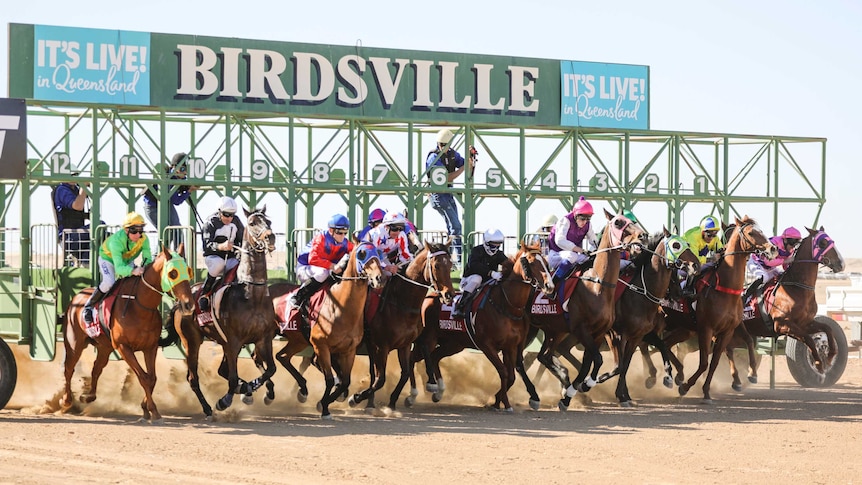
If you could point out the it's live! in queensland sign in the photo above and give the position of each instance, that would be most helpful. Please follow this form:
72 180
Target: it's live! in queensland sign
185 72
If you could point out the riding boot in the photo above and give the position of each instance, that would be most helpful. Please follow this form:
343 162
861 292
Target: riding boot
752 289
460 302
203 299
300 298
95 298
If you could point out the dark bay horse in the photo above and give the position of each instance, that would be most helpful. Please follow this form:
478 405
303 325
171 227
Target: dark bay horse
637 309
790 304
497 327
718 306
135 325
242 315
336 326
397 323
591 304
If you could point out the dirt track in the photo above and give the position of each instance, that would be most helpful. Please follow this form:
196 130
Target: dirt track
786 435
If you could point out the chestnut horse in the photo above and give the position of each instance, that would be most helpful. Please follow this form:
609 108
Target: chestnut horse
397 323
336 327
497 327
637 309
135 325
790 303
242 314
718 306
591 304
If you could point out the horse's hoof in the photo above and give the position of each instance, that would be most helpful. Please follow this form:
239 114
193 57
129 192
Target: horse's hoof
668 382
429 387
341 397
352 402
683 389
752 379
650 382
208 418
679 379
158 422
409 401
319 406
326 417
625 404
302 396
707 400
88 398
247 399
563 405
437 396
736 387
509 410
267 400
534 404
224 402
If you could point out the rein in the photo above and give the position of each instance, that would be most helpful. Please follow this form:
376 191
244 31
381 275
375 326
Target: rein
642 290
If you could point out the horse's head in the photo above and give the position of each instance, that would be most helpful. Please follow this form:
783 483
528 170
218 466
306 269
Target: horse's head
368 265
258 231
438 269
746 237
822 249
678 253
625 233
533 269
175 276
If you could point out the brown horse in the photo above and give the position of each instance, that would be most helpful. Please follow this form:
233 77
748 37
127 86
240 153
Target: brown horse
591 304
397 323
135 325
790 305
718 305
242 314
637 309
336 327
497 327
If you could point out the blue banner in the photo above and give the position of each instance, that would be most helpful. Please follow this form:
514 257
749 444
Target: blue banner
91 65
598 95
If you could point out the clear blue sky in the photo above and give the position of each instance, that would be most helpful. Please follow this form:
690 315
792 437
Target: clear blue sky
784 68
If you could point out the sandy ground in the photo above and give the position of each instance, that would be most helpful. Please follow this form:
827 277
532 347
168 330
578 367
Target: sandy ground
761 435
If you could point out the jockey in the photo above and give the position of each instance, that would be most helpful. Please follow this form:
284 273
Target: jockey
704 239
482 265
765 270
391 239
223 232
327 253
374 220
117 258
569 238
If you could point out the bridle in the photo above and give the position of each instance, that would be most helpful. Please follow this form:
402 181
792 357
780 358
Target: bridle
258 240
746 240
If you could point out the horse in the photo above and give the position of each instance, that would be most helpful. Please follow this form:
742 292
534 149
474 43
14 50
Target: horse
591 303
336 324
134 324
242 314
789 303
500 326
646 282
397 323
718 306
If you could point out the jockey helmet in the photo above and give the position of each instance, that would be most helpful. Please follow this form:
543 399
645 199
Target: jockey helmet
710 223
133 219
227 205
493 241
178 163
630 216
791 233
339 221
376 215
549 221
394 219
445 135
582 207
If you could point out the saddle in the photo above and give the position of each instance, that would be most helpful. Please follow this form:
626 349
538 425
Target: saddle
102 315
756 307
293 319
205 318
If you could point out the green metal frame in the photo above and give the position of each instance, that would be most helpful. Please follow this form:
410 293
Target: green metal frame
281 161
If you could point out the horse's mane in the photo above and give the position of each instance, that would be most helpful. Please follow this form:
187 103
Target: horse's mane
644 256
509 265
433 247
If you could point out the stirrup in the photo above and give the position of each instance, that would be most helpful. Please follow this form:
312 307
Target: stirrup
88 315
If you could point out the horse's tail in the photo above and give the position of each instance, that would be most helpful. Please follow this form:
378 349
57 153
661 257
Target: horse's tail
173 337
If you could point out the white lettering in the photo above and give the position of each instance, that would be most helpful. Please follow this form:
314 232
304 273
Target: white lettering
388 85
354 80
483 92
230 72
190 70
260 76
422 90
447 87
523 87
326 81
